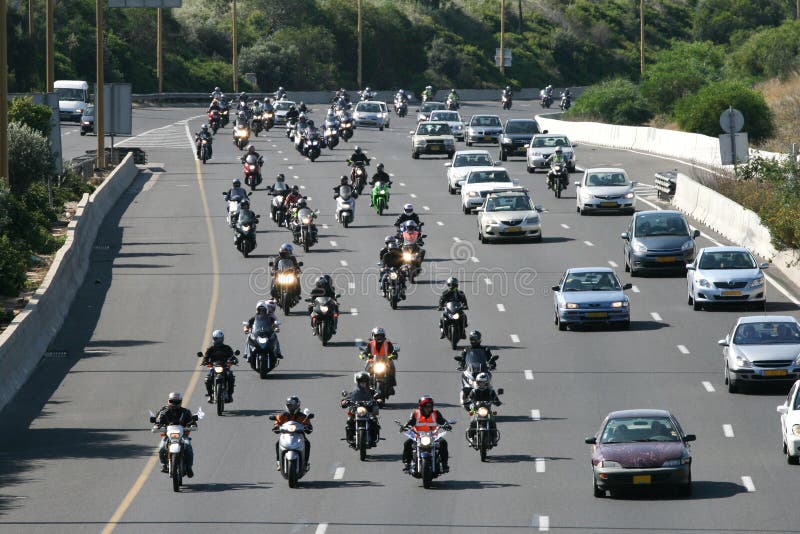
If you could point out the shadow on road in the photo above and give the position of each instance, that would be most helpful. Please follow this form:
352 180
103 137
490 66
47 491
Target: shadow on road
335 484
216 487
469 485
701 490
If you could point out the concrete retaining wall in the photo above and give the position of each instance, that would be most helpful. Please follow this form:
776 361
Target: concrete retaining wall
27 338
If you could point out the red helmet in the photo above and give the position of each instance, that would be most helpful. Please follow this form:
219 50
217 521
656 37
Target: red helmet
425 400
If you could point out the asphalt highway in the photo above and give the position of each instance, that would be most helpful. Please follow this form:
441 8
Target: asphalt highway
77 454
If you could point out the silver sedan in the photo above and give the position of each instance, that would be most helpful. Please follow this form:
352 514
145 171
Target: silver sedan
726 275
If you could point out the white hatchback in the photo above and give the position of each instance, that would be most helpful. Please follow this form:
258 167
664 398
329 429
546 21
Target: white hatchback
605 189
463 162
480 182
790 424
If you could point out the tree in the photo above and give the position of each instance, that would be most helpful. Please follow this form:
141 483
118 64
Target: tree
616 101
772 52
23 111
29 157
699 113
717 20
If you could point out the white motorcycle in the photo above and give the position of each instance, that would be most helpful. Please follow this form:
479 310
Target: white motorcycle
346 205
233 209
177 439
292 449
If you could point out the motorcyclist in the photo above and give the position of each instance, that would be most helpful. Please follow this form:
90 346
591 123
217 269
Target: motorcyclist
362 393
454 96
219 354
358 156
389 239
293 413
381 348
174 414
508 92
407 215
236 190
292 114
285 252
392 258
400 97
251 151
409 226
548 90
217 93
265 318
301 204
245 214
343 181
482 392
323 287
428 92
290 201
451 294
553 159
214 106
366 94
280 179
267 106
475 346
380 176
302 108
302 122
425 419
204 133
280 93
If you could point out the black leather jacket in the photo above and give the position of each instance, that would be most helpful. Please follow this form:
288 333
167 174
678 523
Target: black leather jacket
451 295
221 353
168 415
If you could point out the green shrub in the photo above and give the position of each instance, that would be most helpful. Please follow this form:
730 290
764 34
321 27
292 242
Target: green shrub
699 113
770 53
23 111
13 262
71 188
29 157
616 101
718 20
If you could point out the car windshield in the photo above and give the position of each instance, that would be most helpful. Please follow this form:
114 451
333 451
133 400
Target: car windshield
449 116
767 333
369 107
657 224
522 127
639 429
550 141
485 121
438 128
607 179
89 112
430 106
510 203
485 177
472 160
75 95
283 105
591 281
737 259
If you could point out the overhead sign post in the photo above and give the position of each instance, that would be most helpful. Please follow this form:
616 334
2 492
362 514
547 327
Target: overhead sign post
733 145
117 110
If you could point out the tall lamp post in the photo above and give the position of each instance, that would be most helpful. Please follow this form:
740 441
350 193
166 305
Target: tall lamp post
235 52
99 110
641 36
3 92
358 25
502 36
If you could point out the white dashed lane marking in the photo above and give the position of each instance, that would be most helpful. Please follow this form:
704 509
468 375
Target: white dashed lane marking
334 244
528 374
354 311
656 316
439 223
544 523
536 415
728 431
683 349
343 263
709 387
588 243
515 338
412 195
565 226
635 289
321 528
540 465
501 308
613 264
473 259
748 483
338 474
426 208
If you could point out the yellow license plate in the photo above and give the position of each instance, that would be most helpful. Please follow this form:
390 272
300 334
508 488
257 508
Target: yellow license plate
435 147
665 259
642 479
731 293
608 204
513 229
597 315
776 372
487 138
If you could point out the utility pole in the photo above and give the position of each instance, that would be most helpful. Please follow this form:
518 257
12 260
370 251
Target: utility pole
235 52
30 20
641 36
358 25
159 63
797 9
50 40
502 37
4 92
99 88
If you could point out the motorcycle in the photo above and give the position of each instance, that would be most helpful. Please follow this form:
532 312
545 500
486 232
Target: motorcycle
177 439
378 371
221 387
292 449
291 128
245 234
452 104
312 148
394 284
257 123
287 285
260 350
366 96
204 154
557 178
224 112
323 317
345 205
545 99
566 102
401 108
358 175
474 364
233 209
241 136
363 420
331 135
506 101
304 229
277 209
426 463
413 253
252 172
346 127
268 120
380 197
214 120
480 435
455 321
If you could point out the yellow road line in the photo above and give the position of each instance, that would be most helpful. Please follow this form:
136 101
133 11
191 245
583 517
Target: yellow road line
151 463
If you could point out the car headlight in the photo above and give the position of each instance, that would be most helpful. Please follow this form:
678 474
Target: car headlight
570 305
758 282
425 441
587 195
796 430
630 195
609 463
638 247
531 220
702 282
688 245
620 304
506 140
419 142
677 461
473 194
742 361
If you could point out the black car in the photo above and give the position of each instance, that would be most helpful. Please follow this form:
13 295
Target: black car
658 240
517 133
87 121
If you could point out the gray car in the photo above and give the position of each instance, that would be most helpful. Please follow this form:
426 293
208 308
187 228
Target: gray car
509 215
542 147
371 114
658 241
722 275
589 295
424 110
761 349
483 129
517 134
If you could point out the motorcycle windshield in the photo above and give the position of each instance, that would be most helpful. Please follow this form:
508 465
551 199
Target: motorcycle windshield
251 159
304 213
280 187
410 238
247 217
264 331
345 191
475 360
323 301
452 307
285 265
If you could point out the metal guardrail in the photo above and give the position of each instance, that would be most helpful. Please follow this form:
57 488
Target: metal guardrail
665 183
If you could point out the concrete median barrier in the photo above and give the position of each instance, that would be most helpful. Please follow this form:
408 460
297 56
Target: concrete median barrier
28 337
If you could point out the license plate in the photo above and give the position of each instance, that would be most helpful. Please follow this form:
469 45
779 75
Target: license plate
665 259
597 315
513 229
435 147
731 293
642 479
487 138
608 204
776 372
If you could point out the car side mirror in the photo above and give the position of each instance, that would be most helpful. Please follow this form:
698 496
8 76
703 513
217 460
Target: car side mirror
515 181
574 145
300 263
689 437
783 409
689 267
310 416
764 265
627 286
199 354
457 358
271 264
723 343
556 288
417 110
448 164
696 233
153 419
271 417
526 146
546 131
538 207
500 391
195 418
344 393
625 236
591 441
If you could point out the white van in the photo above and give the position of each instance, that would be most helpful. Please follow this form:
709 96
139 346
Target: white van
73 98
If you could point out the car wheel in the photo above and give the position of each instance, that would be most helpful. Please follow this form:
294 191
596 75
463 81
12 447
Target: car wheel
732 387
792 460
598 493
689 299
581 211
450 189
538 238
414 155
697 306
381 128
626 325
466 210
634 273
686 489
468 143
561 326
531 170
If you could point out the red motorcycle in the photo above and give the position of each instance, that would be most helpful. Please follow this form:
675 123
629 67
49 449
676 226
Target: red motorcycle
252 172
214 120
410 235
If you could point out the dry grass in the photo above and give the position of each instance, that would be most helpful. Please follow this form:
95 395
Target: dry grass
783 98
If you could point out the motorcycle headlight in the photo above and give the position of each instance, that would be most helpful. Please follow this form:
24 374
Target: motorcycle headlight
393 276
425 441
571 305
758 282
246 227
620 304
379 367
407 256
630 195
456 316
262 341
483 411
291 428
218 368
323 309
361 410
306 220
688 245
638 247
175 435
742 361
286 278
609 463
796 430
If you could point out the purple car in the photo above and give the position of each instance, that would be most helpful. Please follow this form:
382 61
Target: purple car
635 448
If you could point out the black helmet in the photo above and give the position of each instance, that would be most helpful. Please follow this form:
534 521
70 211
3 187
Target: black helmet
343 180
361 378
285 251
293 404
244 204
237 182
452 282
358 150
475 338
380 166
280 178
321 282
301 203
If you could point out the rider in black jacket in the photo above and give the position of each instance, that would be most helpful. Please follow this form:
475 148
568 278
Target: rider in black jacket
451 294
475 345
219 354
324 288
174 414
362 393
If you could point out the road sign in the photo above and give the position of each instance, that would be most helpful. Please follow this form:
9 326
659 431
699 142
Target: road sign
117 114
506 57
144 3
731 120
734 144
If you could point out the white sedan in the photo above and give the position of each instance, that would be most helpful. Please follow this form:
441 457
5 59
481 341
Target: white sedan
463 162
790 424
605 189
480 182
453 119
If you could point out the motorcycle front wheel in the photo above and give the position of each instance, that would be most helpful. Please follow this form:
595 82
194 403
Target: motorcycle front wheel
219 396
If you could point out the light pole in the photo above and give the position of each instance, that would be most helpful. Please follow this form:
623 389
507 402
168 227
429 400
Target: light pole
358 26
235 52
502 37
50 40
641 36
3 93
159 61
99 112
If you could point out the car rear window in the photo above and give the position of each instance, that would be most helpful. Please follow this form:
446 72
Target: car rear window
472 160
518 127
485 177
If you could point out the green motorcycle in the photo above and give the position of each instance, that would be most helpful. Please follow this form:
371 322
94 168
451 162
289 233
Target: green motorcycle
380 197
